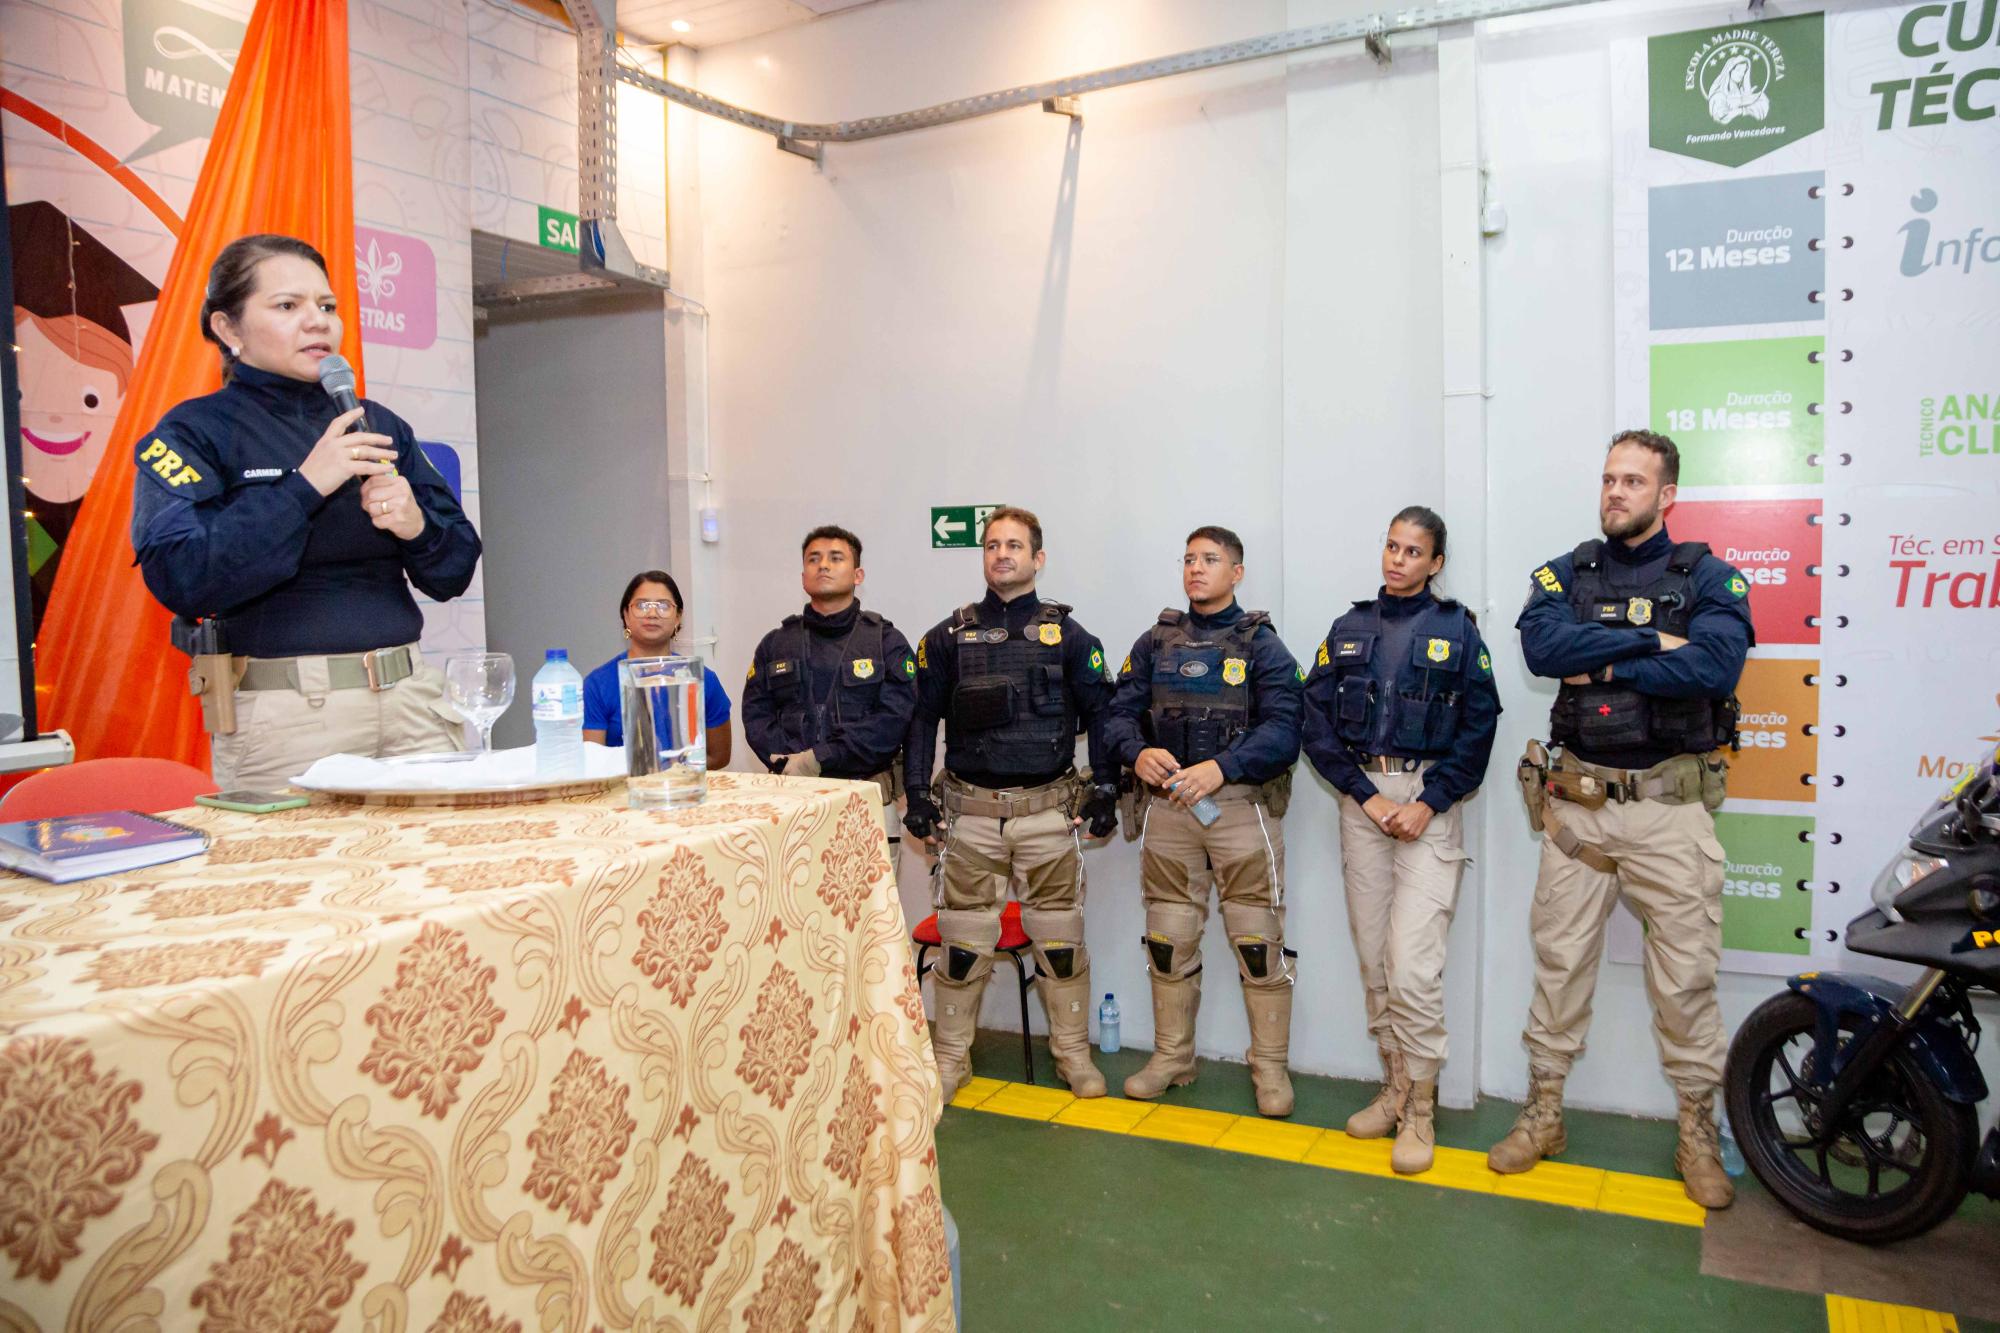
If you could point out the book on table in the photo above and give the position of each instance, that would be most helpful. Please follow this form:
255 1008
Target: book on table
76 847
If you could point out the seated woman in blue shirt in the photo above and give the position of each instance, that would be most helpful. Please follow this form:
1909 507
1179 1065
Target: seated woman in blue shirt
651 614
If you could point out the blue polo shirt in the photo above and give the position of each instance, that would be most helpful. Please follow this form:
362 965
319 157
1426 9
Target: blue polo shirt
601 710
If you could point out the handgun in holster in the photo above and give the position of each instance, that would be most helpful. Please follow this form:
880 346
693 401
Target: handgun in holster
1131 804
212 673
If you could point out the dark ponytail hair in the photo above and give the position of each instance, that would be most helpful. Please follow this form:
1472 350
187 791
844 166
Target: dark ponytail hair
1429 520
232 280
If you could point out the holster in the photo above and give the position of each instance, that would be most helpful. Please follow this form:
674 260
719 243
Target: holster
1714 779
213 674
1532 772
1277 794
1132 799
212 679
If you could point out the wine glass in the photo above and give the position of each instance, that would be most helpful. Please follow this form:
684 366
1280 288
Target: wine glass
481 685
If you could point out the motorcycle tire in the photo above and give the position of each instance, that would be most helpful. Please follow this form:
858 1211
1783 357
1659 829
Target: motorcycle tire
1935 1187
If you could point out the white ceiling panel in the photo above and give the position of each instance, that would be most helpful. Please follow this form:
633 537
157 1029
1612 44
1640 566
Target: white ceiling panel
714 22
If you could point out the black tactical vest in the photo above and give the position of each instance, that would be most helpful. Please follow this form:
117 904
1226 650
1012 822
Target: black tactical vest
1613 715
806 715
1201 684
1009 711
1409 708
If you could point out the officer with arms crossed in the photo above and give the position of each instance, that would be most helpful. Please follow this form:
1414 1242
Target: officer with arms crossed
1648 638
1014 679
1207 705
831 689
1400 716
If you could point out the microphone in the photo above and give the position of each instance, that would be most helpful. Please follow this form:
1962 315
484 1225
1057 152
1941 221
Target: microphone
337 378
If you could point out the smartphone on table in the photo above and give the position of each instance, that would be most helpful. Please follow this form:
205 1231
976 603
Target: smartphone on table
253 802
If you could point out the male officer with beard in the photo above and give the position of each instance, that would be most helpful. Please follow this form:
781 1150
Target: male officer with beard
1013 679
1648 638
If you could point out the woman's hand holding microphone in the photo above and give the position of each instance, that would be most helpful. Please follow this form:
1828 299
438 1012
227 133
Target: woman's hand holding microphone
337 457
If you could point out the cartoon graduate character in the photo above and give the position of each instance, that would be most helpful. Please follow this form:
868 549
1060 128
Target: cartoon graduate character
75 363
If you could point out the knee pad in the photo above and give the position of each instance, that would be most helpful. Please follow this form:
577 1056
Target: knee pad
968 939
1257 934
1173 940
1058 941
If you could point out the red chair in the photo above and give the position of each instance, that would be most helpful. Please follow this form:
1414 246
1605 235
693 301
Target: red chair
1014 942
146 785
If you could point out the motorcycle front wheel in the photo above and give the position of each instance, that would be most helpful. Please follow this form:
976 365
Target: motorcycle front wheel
1903 1156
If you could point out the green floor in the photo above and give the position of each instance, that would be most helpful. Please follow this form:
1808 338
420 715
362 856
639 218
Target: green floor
1063 1228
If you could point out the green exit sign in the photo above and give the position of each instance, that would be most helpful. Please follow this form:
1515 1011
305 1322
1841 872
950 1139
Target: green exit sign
557 230
957 525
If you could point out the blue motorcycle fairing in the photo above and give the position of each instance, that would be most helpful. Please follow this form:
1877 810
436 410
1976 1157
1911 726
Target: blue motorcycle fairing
1871 1001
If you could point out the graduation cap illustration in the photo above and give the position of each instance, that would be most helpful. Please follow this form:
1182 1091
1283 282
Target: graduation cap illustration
61 269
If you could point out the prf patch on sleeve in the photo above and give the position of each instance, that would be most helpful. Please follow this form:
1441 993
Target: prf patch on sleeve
923 658
1547 578
170 466
1321 658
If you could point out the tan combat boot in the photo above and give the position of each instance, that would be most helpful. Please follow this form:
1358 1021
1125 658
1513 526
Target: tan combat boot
1270 1010
1538 1133
957 1022
1175 1004
1416 1134
1066 1003
1699 1157
1377 1120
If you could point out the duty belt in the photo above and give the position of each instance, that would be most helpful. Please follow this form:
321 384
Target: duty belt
1389 763
1677 781
962 798
377 670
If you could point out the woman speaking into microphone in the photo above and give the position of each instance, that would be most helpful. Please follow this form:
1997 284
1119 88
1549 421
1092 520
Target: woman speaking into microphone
300 527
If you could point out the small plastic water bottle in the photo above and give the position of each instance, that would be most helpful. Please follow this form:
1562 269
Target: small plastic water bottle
1205 811
1732 1156
558 702
1107 1024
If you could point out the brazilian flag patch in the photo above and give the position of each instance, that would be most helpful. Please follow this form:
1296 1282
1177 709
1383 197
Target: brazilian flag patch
909 667
1301 671
1485 663
1737 586
1097 659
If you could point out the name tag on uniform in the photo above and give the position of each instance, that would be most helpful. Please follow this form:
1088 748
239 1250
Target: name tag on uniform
1349 648
781 668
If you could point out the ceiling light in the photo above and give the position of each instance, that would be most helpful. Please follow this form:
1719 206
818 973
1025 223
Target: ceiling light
681 25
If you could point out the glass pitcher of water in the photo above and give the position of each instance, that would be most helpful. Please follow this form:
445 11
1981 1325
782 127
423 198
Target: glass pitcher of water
666 733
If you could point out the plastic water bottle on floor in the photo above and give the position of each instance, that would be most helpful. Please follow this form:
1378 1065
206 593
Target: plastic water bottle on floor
558 702
1107 1024
1732 1156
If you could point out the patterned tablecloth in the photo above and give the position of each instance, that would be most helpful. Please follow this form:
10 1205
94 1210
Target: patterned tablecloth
554 1066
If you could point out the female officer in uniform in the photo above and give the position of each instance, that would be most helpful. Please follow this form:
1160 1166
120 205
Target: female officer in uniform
256 505
1400 716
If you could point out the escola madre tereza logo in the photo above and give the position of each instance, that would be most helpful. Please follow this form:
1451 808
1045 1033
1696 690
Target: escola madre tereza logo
1730 95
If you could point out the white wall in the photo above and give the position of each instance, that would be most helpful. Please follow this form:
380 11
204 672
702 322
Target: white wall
1183 313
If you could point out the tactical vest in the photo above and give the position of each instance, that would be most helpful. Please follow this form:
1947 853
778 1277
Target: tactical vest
1613 715
1201 685
1408 708
805 719
1009 711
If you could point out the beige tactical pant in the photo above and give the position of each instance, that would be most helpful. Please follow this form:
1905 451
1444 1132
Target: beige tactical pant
280 733
1400 900
1242 854
1041 851
1670 871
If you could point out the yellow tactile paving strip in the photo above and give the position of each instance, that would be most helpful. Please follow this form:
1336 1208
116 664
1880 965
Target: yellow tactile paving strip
1588 1187
1844 1314
1655 1198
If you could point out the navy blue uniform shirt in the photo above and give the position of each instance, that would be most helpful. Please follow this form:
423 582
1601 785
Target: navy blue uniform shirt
223 524
1556 644
856 724
1456 772
1267 748
937 678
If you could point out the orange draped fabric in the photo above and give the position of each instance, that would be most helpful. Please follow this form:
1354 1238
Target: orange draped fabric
281 160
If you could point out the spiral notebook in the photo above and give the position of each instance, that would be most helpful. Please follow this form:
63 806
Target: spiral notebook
75 847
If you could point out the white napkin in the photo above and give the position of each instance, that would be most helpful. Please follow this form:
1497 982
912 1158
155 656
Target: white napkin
500 768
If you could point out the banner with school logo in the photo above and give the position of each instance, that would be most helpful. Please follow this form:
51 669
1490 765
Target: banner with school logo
1807 252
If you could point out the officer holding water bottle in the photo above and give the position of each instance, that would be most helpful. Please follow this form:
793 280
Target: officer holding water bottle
1206 715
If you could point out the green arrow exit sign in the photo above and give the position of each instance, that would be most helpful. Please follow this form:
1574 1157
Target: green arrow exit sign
557 229
957 525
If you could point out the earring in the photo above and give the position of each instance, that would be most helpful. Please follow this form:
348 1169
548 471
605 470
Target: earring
628 633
